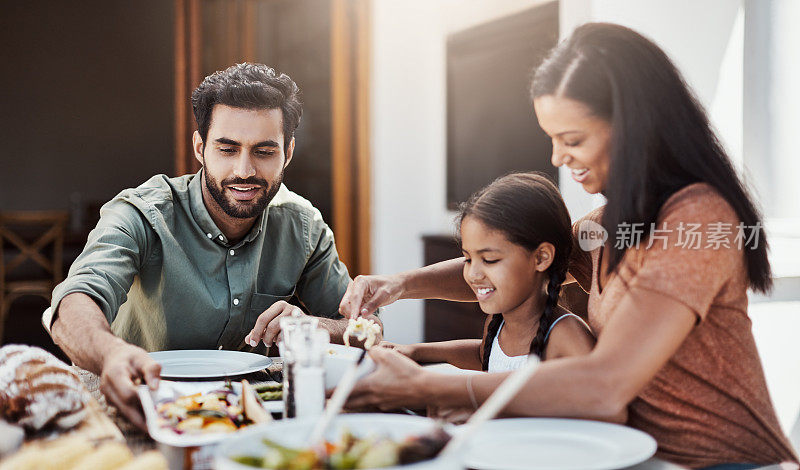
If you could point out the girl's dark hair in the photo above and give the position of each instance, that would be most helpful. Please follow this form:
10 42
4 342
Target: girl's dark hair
528 209
661 138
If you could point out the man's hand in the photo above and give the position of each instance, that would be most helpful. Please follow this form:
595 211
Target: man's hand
82 331
268 325
122 370
366 293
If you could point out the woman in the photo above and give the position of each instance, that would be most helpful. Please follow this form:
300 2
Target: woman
674 343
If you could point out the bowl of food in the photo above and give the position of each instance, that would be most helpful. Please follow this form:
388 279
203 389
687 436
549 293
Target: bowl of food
338 359
389 441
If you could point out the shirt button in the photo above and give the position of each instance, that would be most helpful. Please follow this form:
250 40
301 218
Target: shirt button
209 235
232 252
235 301
221 237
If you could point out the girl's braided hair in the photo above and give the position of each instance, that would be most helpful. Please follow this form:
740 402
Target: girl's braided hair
528 209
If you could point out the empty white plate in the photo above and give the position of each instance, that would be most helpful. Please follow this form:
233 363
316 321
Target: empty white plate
208 363
556 444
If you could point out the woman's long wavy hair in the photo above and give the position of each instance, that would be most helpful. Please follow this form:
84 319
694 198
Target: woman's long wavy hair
528 209
661 137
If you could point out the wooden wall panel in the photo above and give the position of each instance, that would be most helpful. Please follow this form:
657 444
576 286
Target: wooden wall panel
187 47
350 49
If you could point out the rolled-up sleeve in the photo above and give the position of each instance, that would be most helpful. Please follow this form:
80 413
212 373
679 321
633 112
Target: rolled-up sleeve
114 253
691 275
324 280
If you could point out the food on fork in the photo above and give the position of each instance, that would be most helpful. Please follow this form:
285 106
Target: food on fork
363 329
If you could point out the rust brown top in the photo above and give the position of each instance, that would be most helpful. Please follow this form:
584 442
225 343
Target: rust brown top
709 404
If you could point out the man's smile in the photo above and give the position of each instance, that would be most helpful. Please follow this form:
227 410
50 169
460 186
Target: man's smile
244 192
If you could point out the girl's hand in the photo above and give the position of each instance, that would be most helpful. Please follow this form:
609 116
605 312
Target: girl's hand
406 350
366 293
395 383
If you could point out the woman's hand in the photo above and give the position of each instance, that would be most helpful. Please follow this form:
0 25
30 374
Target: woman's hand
395 383
366 294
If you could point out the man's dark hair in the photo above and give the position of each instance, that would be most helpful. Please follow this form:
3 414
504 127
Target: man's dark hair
248 86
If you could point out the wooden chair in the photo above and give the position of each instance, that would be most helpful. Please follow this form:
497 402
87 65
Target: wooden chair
24 239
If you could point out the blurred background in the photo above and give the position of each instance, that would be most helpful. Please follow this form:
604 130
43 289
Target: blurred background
409 106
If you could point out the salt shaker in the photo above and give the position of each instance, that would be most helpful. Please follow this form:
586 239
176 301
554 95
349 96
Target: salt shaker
303 348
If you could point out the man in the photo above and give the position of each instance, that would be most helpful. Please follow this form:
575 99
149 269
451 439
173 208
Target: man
203 261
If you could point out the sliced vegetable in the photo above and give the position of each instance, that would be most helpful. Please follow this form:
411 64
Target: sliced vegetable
207 413
251 407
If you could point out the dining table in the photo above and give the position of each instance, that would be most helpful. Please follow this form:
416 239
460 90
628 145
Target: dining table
139 441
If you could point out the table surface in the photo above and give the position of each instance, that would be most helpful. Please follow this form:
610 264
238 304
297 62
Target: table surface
139 441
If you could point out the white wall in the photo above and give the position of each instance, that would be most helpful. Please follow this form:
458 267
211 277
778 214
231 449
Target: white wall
772 105
408 133
704 39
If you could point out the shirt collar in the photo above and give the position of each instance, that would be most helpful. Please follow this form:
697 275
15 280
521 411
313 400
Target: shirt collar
206 223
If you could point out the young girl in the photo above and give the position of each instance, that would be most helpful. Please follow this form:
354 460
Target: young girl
516 238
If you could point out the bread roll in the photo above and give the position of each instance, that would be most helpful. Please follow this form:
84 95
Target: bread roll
37 390
108 456
152 460
11 438
61 454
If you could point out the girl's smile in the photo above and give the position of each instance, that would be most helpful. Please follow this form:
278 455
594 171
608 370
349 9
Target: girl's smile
483 293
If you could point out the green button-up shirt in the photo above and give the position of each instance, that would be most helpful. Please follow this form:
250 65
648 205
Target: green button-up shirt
166 277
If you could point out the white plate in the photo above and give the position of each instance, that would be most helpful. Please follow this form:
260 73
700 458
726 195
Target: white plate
208 363
556 444
295 432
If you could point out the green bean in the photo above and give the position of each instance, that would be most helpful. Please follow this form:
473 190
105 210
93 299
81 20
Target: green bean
268 387
271 395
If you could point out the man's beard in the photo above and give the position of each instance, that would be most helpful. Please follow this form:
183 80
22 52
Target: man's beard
237 209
